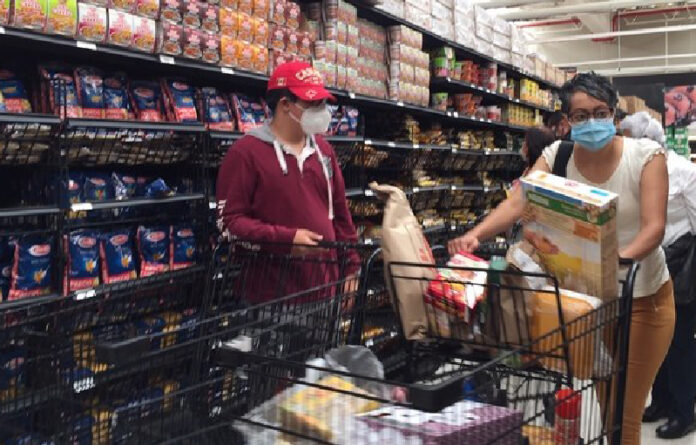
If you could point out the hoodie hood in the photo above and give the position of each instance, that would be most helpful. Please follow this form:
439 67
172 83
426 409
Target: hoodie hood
265 134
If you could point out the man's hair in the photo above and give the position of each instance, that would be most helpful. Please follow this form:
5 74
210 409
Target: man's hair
275 96
554 119
593 85
537 140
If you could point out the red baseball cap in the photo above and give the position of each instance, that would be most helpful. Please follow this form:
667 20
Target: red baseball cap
301 79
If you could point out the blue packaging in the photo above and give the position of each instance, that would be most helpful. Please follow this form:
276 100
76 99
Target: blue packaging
151 326
146 97
90 91
153 247
82 270
97 187
183 252
216 110
158 189
14 94
118 260
125 186
31 268
180 100
116 102
6 258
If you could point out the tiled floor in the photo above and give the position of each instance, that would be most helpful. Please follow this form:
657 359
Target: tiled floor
649 438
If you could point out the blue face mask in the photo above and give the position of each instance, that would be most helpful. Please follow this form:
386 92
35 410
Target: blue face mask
593 135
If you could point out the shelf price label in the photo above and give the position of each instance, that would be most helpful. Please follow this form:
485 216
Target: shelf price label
391 144
369 192
224 69
168 60
85 294
399 104
416 189
415 146
212 205
81 206
83 384
86 45
351 95
368 141
2 30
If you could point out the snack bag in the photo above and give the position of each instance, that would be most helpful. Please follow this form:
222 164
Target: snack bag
228 51
116 97
124 186
260 32
249 114
261 9
211 47
169 38
191 13
82 270
13 92
62 17
245 6
146 99
215 110
4 12
209 18
260 59
244 54
144 34
183 248
92 22
120 28
97 187
62 102
153 246
228 22
231 4
245 27
74 193
90 91
147 8
192 43
171 11
31 269
180 99
122 5
30 14
116 252
277 14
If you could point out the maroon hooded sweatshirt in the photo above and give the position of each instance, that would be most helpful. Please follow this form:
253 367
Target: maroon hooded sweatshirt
264 197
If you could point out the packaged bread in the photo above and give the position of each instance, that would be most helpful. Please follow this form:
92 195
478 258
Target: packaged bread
260 32
122 5
171 10
144 34
228 51
30 14
147 8
169 39
62 17
244 27
209 18
211 47
91 22
120 28
228 22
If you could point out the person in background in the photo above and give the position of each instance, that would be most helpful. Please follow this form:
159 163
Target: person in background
636 170
674 390
558 123
535 141
281 183
619 116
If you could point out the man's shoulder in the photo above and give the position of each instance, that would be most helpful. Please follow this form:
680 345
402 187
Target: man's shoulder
324 145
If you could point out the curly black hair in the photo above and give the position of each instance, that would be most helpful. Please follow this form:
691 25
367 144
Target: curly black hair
593 84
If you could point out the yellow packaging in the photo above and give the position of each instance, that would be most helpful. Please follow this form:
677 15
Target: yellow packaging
573 227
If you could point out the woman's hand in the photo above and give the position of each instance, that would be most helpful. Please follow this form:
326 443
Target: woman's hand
467 243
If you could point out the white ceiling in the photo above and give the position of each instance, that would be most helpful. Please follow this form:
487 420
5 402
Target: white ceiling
616 37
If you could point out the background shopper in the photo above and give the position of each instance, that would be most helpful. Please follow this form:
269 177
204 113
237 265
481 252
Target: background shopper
636 170
535 141
674 390
558 123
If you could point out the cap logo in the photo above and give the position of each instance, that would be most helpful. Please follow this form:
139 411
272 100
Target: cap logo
309 75
280 81
310 94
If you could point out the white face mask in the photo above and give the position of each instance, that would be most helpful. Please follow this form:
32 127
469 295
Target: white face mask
314 120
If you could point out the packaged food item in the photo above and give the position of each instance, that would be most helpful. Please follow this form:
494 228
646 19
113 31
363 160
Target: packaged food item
122 5
261 9
231 4
249 113
13 92
228 22
260 59
92 22
228 51
439 101
153 247
180 100
146 100
31 268
82 270
245 6
120 28
211 47
59 84
171 11
144 34
290 41
215 110
245 27
124 186
4 12
191 13
90 92
304 45
116 252
292 15
158 189
30 14
245 55
260 32
183 252
192 43
97 187
62 17
573 228
277 15
209 18
115 93
170 36
276 39
147 8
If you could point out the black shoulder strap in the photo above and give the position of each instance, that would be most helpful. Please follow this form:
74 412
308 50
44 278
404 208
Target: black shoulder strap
560 164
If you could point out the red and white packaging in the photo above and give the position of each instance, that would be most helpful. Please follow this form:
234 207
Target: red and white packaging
91 22
169 38
211 47
144 34
120 28
192 43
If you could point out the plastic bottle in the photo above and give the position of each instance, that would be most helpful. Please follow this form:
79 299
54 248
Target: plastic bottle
567 418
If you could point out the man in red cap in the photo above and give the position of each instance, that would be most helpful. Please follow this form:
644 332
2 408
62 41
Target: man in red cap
281 183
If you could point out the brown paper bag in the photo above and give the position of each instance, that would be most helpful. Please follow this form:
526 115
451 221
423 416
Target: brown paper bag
403 241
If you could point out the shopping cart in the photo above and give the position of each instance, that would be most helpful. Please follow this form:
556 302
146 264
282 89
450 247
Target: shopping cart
475 383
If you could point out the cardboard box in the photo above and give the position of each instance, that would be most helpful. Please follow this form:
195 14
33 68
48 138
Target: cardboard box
441 11
573 227
634 104
465 7
417 15
484 32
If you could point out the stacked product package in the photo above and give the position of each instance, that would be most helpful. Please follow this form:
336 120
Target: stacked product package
409 75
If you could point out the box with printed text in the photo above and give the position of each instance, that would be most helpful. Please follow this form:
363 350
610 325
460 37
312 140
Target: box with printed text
573 227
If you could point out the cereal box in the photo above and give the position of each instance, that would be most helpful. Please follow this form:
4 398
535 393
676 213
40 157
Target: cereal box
30 14
122 5
120 28
4 12
62 17
147 8
91 22
573 228
169 41
144 33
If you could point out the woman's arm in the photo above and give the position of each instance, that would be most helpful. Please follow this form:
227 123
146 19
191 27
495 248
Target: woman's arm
654 189
499 220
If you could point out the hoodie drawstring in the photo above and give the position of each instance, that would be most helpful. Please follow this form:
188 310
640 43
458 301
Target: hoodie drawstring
326 175
280 156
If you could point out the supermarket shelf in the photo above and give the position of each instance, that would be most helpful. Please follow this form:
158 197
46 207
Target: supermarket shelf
225 135
182 127
28 211
457 85
432 40
114 204
27 302
357 192
406 145
427 189
29 118
343 139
